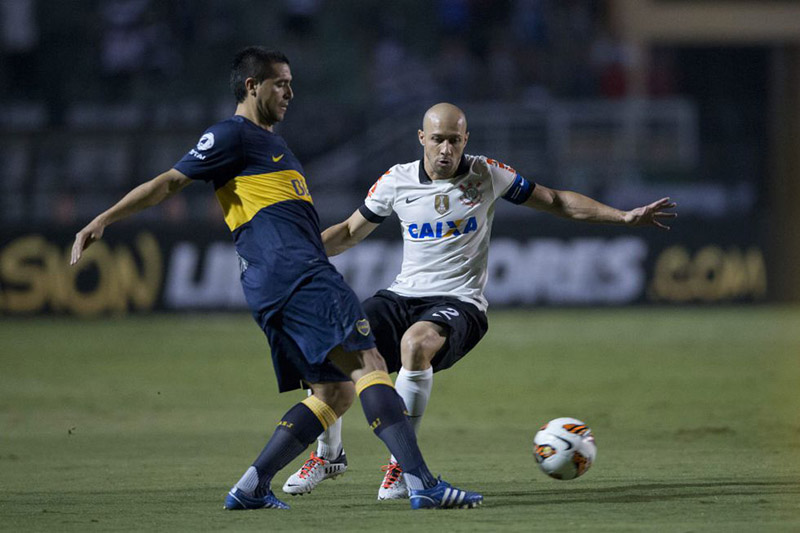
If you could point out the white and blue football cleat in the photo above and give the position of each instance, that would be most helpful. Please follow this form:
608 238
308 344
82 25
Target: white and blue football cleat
444 496
238 500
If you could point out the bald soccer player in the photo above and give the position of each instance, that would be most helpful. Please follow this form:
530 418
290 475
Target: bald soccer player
435 311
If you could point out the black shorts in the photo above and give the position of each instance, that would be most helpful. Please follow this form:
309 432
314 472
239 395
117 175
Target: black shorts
390 315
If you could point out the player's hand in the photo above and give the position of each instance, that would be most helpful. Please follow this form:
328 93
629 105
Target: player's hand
84 238
651 215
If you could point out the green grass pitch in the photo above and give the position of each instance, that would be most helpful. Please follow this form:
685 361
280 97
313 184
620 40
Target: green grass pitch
143 423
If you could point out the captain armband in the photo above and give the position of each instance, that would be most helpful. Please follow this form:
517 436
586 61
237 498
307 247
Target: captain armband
520 190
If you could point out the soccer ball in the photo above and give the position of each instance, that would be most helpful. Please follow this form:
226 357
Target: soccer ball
564 448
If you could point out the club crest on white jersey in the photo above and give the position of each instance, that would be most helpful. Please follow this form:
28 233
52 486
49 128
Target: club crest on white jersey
471 193
441 202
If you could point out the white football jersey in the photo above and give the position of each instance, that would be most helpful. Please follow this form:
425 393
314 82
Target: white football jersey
446 224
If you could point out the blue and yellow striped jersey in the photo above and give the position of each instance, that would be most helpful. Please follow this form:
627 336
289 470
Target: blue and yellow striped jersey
264 197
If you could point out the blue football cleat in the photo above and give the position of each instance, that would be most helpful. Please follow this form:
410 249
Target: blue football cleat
444 496
237 500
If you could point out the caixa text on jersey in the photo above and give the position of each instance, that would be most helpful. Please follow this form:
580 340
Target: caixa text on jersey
442 229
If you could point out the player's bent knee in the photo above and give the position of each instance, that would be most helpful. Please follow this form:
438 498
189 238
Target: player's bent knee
419 346
338 396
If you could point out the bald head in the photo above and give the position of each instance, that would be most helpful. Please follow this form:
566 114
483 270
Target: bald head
444 136
446 116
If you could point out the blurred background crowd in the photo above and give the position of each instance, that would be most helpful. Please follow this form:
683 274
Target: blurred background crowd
98 96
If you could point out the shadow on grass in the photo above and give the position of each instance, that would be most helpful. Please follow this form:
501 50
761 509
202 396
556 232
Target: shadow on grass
703 492
642 492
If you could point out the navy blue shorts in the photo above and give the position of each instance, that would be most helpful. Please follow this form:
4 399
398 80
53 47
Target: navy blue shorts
321 313
391 315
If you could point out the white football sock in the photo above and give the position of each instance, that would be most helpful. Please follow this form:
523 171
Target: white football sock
414 387
249 481
329 442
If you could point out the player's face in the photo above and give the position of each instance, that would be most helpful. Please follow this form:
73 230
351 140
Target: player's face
274 93
444 142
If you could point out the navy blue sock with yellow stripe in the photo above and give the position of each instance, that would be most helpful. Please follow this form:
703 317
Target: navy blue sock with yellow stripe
298 428
386 415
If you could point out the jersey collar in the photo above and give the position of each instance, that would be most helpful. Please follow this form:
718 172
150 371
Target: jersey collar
463 167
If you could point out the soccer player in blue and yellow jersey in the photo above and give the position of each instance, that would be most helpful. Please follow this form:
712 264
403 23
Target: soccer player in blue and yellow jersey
317 331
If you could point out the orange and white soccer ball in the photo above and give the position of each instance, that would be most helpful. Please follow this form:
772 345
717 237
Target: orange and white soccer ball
564 448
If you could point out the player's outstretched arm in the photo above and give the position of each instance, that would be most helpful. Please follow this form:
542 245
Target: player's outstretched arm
576 206
345 235
146 195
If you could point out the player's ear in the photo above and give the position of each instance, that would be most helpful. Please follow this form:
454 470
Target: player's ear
466 138
421 135
250 85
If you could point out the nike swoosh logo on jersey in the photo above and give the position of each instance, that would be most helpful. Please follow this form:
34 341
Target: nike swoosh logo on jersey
409 200
276 159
